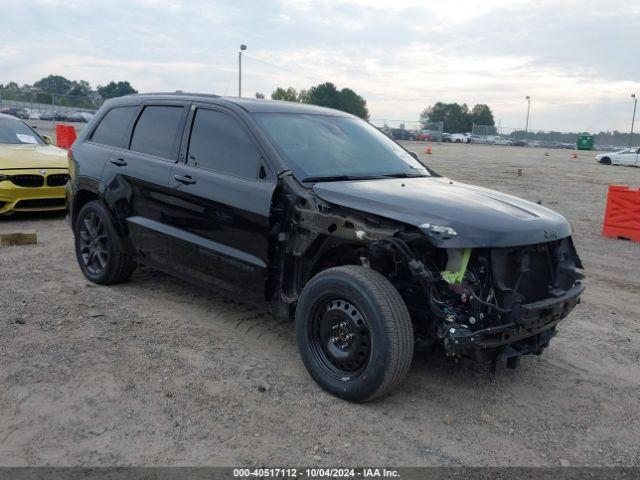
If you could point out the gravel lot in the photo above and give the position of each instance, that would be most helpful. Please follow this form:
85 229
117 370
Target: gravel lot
159 372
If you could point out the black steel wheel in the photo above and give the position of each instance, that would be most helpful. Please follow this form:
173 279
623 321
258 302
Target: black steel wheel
354 333
98 247
339 337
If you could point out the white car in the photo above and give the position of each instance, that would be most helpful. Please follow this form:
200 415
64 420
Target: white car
501 141
459 138
627 157
478 139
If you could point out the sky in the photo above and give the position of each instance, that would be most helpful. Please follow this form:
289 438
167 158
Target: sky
577 60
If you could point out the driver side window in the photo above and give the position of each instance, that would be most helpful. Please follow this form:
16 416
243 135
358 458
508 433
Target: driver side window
219 144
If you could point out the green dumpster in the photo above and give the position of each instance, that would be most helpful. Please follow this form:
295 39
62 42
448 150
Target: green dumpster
585 142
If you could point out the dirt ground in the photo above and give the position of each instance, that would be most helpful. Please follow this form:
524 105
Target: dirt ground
160 372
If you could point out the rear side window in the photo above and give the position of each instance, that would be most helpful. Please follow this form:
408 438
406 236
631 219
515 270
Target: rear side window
110 131
156 130
219 143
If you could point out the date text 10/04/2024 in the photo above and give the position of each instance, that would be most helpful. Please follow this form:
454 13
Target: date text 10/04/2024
315 473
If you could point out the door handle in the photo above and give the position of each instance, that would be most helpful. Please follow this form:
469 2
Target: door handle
185 179
119 162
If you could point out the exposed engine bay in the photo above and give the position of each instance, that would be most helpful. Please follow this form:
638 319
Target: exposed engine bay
486 304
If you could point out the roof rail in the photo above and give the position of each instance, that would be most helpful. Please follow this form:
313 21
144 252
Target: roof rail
177 92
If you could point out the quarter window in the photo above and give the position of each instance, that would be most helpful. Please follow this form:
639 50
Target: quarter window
156 130
219 143
110 131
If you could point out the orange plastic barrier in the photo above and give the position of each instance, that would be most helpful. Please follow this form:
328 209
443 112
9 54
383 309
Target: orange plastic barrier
622 214
65 135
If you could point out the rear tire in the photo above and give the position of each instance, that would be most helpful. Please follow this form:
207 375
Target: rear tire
97 247
354 333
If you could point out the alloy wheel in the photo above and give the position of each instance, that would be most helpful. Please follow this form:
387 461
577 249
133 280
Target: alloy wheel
94 249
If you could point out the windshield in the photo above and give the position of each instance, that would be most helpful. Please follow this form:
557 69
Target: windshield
321 147
15 132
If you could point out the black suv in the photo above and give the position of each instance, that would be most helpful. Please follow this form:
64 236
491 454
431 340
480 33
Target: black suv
327 219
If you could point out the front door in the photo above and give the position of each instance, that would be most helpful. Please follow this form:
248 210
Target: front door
223 192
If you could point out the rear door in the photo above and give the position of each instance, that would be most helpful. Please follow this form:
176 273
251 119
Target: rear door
223 189
107 136
137 177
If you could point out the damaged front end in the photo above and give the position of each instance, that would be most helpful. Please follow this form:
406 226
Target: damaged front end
473 295
492 304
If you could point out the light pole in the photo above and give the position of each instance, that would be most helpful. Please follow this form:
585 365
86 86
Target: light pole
526 127
242 48
633 119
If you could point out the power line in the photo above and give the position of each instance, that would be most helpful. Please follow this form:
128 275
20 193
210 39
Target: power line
281 68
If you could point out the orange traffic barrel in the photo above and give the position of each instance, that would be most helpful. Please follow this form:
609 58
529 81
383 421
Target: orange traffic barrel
622 213
65 135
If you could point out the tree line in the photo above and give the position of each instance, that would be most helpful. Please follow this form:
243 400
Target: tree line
59 90
326 95
456 118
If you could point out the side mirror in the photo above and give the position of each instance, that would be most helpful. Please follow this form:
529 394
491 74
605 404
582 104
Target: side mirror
47 139
414 155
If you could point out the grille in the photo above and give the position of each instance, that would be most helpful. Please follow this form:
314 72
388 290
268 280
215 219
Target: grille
527 270
25 180
41 203
57 179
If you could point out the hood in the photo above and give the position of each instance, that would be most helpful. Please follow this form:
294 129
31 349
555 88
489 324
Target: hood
452 214
14 157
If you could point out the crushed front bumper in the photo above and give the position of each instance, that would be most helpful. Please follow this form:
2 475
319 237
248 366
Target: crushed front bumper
529 331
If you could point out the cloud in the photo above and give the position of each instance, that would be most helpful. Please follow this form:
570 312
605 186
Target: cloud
575 59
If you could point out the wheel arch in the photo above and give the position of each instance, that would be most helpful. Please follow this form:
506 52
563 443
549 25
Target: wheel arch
81 197
337 254
85 194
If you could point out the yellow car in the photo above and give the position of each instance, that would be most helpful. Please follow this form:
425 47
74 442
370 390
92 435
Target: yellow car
33 172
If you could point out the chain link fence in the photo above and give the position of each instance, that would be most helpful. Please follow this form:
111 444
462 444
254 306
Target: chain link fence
412 127
484 130
43 110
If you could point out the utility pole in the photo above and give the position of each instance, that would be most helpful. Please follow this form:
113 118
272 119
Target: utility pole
242 48
633 119
526 127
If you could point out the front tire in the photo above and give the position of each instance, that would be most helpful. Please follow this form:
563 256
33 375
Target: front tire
354 333
605 161
97 249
